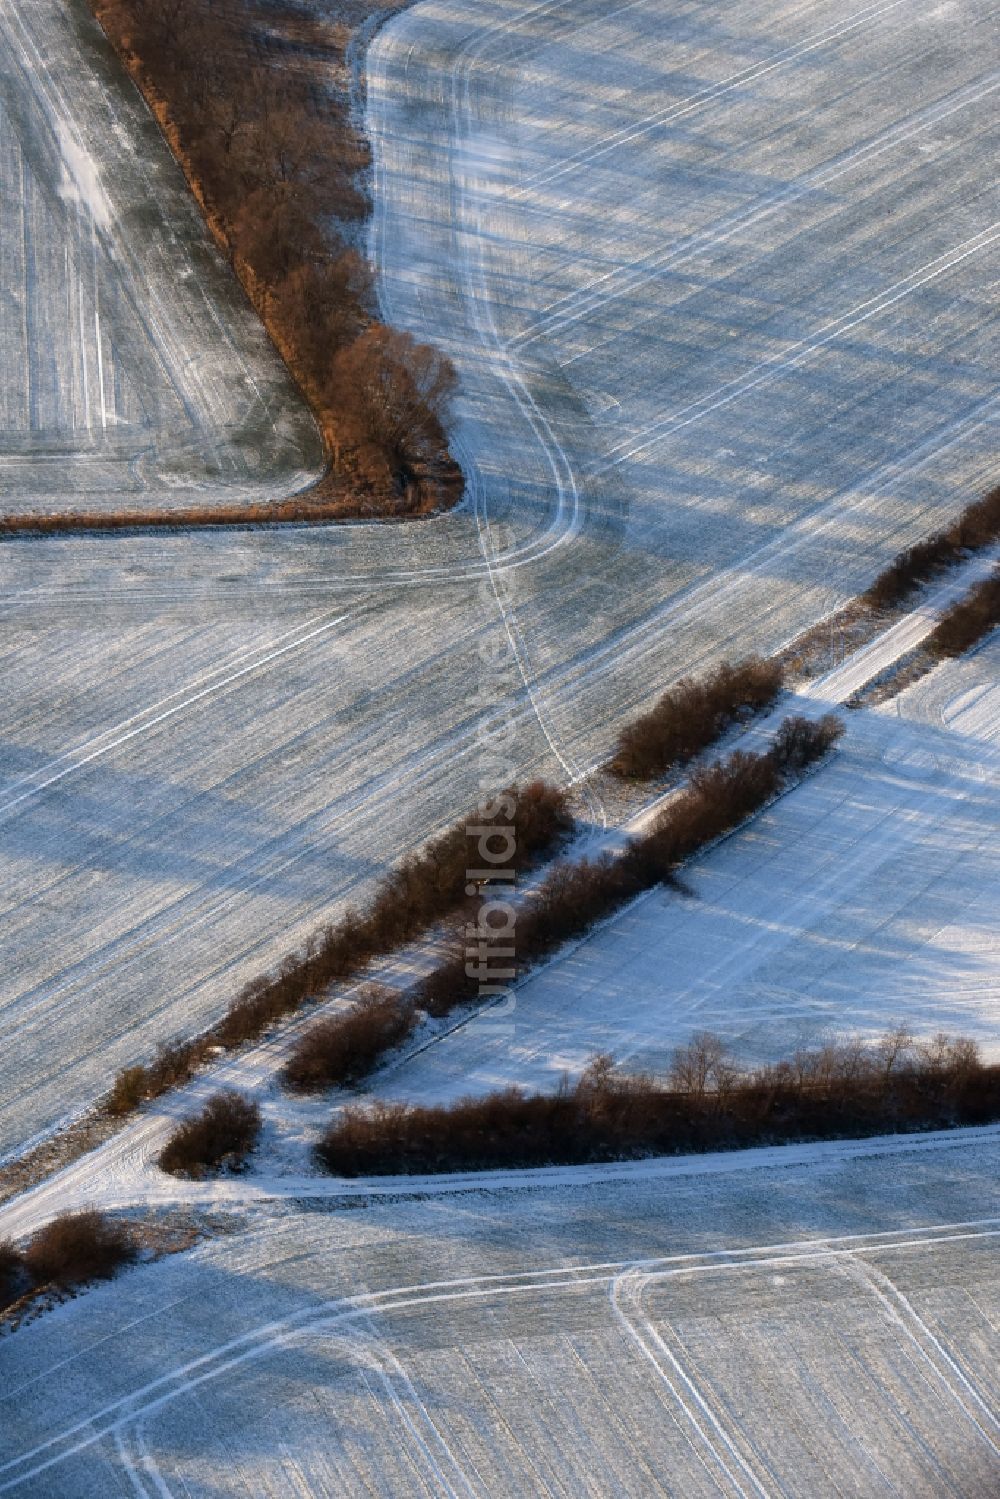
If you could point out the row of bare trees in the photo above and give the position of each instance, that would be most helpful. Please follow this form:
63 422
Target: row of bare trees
693 714
432 886
967 620
576 894
241 90
572 896
705 1102
532 822
697 711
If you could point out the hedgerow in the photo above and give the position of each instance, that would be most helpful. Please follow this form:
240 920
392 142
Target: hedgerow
977 526
968 620
692 715
529 821
574 895
705 1103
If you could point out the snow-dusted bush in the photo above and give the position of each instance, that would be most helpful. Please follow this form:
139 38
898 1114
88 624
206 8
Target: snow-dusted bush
78 1247
345 1047
800 742
223 1134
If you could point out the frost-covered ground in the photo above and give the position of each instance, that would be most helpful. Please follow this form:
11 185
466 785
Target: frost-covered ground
865 897
210 744
717 283
823 1325
134 371
868 896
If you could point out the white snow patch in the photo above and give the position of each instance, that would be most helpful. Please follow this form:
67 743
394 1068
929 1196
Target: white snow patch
81 180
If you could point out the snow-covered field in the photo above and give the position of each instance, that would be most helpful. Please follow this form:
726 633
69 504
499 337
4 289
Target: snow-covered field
866 897
134 372
717 280
796 1329
210 744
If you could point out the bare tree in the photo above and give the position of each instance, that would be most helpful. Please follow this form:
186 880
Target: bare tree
893 1047
693 1068
402 388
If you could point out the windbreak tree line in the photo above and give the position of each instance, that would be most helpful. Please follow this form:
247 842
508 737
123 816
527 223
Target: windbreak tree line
240 90
569 899
576 894
423 889
706 1101
693 714
976 527
968 620
696 711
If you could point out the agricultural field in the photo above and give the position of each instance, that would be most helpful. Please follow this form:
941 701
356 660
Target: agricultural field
718 282
132 366
735 1326
865 898
715 285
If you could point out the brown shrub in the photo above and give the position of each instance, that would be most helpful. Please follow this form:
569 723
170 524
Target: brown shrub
127 1092
968 620
912 568
566 903
78 1247
223 1134
977 526
693 714
173 1064
800 742
506 1128
343 1048
324 305
570 900
449 983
